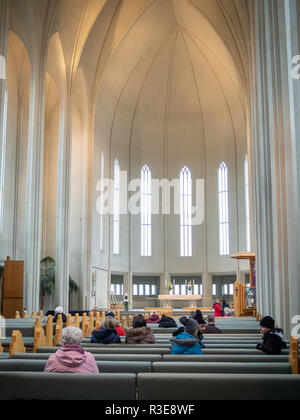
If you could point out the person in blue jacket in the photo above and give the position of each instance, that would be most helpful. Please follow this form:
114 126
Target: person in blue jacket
187 341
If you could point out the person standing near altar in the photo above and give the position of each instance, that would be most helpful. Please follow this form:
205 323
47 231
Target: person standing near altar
217 308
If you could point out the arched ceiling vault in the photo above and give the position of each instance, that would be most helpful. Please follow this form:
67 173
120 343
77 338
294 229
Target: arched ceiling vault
94 32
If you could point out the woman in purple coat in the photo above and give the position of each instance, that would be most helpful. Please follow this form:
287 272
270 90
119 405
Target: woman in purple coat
71 357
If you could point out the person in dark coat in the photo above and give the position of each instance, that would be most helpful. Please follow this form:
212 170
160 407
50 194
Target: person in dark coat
106 334
197 316
210 328
167 322
59 311
138 321
272 337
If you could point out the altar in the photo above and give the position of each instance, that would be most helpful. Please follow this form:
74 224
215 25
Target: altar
190 299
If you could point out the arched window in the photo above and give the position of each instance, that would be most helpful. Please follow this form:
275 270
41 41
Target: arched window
116 223
185 212
146 212
101 202
223 209
247 204
2 157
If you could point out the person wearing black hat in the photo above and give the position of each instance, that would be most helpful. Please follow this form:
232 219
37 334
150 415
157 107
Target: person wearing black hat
272 337
185 339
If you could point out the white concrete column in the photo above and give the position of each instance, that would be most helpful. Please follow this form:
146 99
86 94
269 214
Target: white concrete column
34 184
63 203
4 17
207 289
274 98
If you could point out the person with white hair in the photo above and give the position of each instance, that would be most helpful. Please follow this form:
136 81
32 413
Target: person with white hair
59 311
71 357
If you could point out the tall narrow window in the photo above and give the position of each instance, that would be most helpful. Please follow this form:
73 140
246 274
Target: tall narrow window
116 224
2 157
185 212
247 204
101 200
146 211
223 209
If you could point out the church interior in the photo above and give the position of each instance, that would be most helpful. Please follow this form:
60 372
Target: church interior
150 164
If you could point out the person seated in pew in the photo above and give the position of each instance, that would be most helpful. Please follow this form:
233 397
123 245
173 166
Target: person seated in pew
201 329
272 337
71 357
110 314
119 329
153 318
210 328
59 311
139 333
167 322
186 341
106 333
197 316
95 311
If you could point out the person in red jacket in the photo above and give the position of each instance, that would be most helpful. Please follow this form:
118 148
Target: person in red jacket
119 329
218 308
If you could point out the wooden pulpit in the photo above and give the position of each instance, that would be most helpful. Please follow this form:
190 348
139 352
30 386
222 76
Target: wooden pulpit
12 288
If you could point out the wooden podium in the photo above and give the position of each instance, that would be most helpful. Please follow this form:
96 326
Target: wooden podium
12 288
239 297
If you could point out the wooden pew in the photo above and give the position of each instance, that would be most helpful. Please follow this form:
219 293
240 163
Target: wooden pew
49 331
84 325
16 344
97 321
90 324
294 355
58 330
69 320
76 321
124 322
39 335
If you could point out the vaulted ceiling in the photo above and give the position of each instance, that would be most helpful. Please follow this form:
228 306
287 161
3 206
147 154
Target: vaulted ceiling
95 33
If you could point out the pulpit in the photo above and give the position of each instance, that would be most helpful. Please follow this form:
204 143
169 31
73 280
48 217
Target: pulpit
242 295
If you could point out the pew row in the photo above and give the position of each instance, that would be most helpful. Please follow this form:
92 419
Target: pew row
214 386
150 386
117 366
69 386
170 357
19 365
